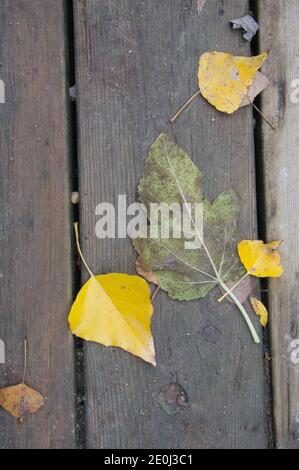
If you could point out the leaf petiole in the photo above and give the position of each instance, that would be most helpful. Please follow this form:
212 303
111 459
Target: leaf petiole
243 312
182 109
233 287
155 293
262 114
79 249
25 360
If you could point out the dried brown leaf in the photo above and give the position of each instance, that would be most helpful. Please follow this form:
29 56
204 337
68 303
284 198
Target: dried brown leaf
249 26
200 4
20 400
241 291
259 84
149 276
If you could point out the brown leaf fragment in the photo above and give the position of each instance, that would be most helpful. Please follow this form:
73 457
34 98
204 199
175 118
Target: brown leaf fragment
19 400
248 24
259 84
149 276
200 4
242 291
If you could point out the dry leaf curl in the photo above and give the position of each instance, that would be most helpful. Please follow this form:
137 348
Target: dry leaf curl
260 310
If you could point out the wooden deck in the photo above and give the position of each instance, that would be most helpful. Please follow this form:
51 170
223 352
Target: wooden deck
134 63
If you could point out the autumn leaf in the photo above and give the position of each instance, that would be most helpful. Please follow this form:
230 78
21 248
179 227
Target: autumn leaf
114 310
170 177
248 24
260 310
20 400
224 79
229 82
260 259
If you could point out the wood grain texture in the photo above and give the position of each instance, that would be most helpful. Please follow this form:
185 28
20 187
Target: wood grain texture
279 36
35 263
136 65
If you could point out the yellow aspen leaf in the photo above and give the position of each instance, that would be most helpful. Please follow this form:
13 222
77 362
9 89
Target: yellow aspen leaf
19 400
260 310
260 259
115 310
224 79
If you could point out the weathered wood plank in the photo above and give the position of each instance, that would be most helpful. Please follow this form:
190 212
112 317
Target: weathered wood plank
136 64
280 35
35 264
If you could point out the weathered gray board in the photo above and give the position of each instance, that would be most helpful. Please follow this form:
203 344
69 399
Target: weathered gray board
136 63
280 37
35 242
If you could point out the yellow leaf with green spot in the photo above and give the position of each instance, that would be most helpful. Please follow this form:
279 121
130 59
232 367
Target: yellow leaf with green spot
224 79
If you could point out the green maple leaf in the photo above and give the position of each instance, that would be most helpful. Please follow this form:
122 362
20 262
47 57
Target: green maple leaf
171 177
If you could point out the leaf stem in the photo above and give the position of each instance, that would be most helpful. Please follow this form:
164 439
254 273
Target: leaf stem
243 312
155 293
25 360
233 287
174 118
79 249
262 114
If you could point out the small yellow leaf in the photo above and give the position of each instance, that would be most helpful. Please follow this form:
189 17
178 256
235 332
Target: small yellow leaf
260 310
224 79
115 310
19 400
260 259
